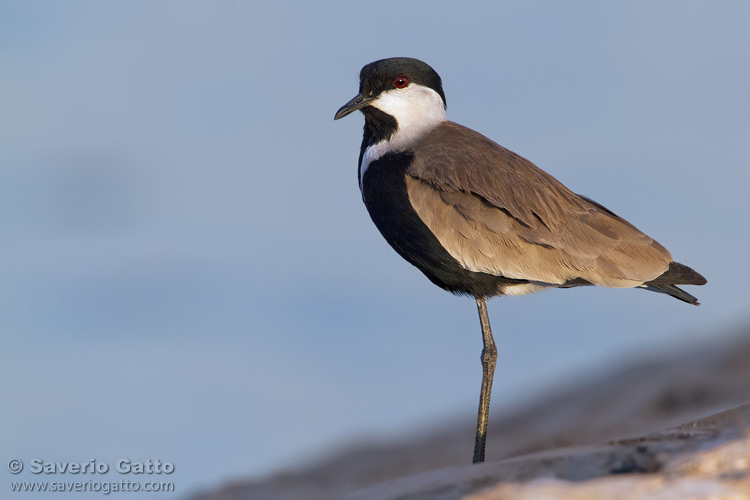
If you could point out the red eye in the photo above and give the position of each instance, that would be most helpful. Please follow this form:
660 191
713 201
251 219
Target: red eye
400 82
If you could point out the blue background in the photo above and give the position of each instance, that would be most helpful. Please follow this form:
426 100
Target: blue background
188 272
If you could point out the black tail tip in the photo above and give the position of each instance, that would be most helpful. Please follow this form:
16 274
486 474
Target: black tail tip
674 291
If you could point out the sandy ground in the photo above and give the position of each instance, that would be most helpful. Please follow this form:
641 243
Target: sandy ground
719 473
674 428
707 459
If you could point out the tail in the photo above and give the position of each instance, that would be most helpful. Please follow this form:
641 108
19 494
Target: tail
677 274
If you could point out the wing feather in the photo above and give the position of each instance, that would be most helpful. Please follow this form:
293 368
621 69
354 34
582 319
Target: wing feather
496 212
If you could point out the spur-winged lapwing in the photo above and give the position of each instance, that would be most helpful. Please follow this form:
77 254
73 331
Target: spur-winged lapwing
480 220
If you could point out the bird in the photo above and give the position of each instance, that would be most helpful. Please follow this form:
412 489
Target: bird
480 220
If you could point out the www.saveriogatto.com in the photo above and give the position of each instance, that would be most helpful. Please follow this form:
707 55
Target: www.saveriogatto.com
84 477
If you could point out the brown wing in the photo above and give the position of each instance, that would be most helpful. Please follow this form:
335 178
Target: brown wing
496 212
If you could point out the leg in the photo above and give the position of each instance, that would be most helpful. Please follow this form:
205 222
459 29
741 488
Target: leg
489 361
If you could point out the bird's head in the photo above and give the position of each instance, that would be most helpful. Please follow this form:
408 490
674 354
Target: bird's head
407 90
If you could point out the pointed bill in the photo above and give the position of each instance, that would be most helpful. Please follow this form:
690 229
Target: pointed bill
358 102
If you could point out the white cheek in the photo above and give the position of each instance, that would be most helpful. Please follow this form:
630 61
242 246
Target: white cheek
417 110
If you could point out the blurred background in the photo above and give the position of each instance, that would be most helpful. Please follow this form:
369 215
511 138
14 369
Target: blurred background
188 272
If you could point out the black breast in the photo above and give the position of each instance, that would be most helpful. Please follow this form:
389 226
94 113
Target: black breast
386 198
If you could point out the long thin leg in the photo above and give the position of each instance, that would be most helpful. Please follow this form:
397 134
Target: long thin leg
489 361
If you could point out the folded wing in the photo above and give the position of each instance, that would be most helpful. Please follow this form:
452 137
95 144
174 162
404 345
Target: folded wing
502 215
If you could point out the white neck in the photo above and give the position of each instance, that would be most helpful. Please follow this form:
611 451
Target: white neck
417 110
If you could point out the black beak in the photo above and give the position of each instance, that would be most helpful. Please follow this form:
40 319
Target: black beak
358 102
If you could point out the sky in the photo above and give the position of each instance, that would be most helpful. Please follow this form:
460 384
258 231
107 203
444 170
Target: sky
188 271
